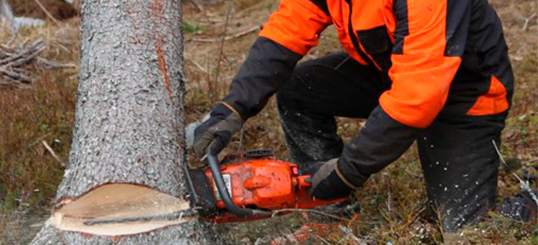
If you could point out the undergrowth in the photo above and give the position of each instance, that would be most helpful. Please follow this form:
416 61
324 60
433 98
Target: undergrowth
31 117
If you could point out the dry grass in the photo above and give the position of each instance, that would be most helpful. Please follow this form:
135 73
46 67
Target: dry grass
40 112
392 202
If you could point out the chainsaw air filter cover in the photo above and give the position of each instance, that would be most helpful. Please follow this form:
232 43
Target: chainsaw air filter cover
255 179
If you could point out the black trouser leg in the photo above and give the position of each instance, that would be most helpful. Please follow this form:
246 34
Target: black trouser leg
457 155
319 90
461 166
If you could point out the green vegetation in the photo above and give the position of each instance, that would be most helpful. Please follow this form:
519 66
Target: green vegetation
189 28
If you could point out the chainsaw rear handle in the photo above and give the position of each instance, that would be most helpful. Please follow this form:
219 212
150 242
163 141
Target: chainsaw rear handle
221 188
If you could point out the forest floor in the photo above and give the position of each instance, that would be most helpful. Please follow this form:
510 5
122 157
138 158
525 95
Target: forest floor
392 202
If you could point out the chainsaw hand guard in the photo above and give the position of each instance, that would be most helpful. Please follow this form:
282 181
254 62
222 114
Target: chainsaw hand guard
216 132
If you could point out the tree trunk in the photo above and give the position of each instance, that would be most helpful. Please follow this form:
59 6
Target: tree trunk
128 147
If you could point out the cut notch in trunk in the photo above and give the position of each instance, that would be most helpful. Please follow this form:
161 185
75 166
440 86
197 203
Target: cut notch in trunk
119 201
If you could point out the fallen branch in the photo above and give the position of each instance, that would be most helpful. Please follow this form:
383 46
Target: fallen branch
47 12
30 56
14 76
197 5
15 63
47 146
523 184
211 20
51 65
31 49
237 35
530 161
197 65
527 21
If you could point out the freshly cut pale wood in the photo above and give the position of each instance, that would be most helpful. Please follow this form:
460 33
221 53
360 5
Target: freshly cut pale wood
118 201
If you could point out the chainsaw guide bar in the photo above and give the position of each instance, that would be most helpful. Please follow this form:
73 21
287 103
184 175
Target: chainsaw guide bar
171 216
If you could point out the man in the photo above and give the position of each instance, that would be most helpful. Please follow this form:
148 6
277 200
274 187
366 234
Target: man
432 71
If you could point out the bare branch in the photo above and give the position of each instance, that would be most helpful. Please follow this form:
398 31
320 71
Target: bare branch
47 146
47 12
51 65
14 63
197 5
22 54
527 22
524 184
15 76
237 35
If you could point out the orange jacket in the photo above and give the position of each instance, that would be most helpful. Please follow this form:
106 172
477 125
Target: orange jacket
420 43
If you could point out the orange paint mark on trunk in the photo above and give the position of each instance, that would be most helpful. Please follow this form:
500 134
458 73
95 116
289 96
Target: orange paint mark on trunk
157 7
115 239
162 64
158 10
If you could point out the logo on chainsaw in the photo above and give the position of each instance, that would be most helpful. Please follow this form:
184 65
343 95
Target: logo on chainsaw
228 181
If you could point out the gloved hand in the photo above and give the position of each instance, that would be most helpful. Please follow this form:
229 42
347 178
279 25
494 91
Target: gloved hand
329 184
216 132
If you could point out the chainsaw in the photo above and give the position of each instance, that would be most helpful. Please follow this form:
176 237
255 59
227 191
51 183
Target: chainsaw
249 185
244 186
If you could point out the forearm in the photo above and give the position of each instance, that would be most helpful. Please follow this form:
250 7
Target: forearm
266 68
380 142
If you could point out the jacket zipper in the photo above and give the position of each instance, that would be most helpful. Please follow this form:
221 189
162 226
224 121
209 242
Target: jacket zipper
354 39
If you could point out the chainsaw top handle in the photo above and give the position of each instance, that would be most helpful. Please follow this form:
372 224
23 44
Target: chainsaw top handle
221 188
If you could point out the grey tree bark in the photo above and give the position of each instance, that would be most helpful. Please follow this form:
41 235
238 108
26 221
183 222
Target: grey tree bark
129 115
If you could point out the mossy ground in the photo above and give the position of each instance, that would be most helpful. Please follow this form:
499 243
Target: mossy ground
392 201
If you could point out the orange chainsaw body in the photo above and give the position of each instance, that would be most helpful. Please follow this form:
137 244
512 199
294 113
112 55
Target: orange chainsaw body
263 183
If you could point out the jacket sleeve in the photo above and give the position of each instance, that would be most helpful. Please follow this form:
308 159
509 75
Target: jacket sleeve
429 43
285 38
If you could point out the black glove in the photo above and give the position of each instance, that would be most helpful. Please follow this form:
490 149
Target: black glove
329 184
216 132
